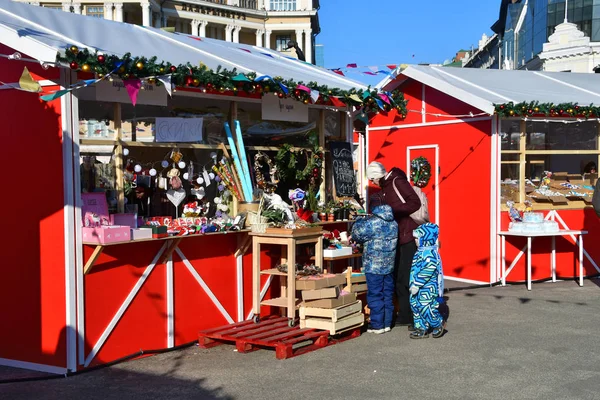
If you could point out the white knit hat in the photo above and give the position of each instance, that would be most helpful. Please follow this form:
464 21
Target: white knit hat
375 170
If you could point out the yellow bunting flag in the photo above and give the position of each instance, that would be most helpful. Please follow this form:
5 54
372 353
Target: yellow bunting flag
26 82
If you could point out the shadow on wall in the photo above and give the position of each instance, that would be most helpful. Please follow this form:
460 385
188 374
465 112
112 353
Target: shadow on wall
32 287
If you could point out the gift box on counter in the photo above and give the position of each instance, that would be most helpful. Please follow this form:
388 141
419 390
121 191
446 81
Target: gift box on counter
325 293
344 251
315 282
106 234
140 234
129 220
158 231
94 209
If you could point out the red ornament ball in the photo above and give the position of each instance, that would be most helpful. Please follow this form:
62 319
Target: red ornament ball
74 65
101 58
189 80
173 68
280 95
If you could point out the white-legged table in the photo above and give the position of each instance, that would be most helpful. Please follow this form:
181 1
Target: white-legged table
553 235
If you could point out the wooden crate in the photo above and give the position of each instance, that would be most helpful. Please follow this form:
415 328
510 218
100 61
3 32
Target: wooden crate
350 322
334 314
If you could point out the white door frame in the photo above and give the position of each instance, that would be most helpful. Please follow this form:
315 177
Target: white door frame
437 174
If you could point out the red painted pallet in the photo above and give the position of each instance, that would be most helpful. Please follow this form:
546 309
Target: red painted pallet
270 332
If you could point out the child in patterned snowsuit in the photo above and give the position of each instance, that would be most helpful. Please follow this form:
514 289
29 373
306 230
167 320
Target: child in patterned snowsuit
379 234
426 284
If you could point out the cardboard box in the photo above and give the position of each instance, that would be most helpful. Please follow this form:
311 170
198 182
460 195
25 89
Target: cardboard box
334 314
129 220
358 277
359 288
94 209
141 234
331 303
106 234
326 293
350 322
344 251
320 281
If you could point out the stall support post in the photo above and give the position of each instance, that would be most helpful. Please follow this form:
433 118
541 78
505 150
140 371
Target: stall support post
233 115
119 159
321 128
598 147
522 161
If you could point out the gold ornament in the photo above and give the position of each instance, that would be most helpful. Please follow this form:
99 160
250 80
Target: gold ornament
74 49
139 65
85 68
161 70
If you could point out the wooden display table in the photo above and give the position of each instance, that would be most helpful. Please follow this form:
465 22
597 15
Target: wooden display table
291 239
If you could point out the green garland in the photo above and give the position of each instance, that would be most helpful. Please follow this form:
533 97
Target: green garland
223 80
420 172
534 108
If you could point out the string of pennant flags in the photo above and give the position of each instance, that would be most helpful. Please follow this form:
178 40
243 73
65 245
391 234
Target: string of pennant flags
371 70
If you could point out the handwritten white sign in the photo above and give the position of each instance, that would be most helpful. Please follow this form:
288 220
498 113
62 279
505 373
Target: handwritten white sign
115 92
276 109
174 130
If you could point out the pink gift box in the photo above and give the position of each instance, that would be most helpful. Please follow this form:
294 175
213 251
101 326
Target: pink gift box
141 234
94 209
129 220
106 234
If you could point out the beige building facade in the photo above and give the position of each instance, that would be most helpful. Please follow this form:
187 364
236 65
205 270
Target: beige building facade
264 23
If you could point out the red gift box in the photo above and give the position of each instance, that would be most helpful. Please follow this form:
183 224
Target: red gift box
106 234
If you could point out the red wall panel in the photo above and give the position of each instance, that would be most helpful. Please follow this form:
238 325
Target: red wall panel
464 189
32 288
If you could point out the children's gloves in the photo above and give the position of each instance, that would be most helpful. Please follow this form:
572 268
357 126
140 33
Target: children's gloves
414 290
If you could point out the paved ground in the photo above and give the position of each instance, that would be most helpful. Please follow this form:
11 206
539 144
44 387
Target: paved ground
502 343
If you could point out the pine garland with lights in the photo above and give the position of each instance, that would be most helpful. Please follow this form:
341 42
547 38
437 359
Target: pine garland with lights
534 108
223 80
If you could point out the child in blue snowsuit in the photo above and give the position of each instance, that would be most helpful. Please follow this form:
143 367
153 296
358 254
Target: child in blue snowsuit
379 234
426 284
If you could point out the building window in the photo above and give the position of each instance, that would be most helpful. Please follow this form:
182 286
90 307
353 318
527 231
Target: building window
94 11
283 5
53 6
282 41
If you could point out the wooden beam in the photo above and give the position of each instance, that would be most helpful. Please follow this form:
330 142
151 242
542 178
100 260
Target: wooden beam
522 159
119 159
92 260
321 129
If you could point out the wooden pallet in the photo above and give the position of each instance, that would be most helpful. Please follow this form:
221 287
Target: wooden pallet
271 332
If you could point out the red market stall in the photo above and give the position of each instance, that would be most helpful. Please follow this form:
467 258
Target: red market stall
490 137
72 301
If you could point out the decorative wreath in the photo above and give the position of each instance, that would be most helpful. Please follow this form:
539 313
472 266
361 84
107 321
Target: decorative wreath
268 186
420 172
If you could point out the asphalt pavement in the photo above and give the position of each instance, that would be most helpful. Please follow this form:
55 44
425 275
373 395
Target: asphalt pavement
501 343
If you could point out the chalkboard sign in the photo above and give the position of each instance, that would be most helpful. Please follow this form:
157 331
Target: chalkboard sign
342 162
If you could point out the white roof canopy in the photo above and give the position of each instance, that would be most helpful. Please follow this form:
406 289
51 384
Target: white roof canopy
482 88
42 32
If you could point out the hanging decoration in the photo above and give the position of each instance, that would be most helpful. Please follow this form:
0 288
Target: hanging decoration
270 185
534 108
223 80
286 162
420 172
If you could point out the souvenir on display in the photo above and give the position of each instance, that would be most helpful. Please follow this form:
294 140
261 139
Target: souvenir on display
545 182
513 213
528 206
297 196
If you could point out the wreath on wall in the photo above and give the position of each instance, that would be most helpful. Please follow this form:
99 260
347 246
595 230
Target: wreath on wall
420 172
287 160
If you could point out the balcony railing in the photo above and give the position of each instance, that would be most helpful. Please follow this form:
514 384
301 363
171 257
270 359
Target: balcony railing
249 4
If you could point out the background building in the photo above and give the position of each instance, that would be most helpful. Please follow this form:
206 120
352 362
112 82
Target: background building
551 35
320 55
265 23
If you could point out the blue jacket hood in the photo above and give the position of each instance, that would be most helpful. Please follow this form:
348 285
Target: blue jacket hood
384 212
427 234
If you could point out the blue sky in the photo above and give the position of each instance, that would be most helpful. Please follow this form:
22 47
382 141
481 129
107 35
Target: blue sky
379 32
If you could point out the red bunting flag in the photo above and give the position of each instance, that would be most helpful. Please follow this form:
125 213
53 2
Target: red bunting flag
369 73
336 101
353 65
338 71
391 66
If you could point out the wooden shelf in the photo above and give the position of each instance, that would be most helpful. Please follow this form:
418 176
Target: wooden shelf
111 142
278 302
273 271
167 238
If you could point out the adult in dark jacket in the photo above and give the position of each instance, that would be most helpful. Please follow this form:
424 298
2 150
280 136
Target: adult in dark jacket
400 196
